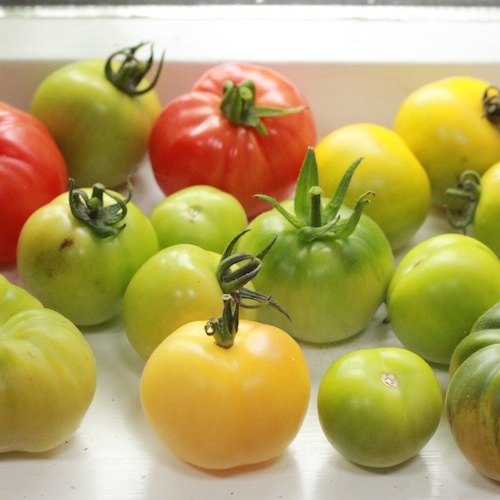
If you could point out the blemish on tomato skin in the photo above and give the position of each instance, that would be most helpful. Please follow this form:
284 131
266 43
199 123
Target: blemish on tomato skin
66 243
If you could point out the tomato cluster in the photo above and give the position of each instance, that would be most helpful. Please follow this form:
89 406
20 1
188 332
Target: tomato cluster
266 239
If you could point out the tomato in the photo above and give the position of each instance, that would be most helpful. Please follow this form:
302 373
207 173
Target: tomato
439 289
451 125
100 113
484 332
330 266
249 382
78 253
200 215
198 399
379 407
177 285
48 374
481 210
32 172
241 128
471 405
389 168
489 320
14 299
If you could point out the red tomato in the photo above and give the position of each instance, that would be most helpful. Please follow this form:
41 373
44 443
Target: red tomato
32 173
196 141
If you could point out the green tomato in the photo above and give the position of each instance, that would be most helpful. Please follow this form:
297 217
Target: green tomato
48 374
99 119
488 320
439 289
174 287
471 402
199 215
470 344
379 407
330 265
480 212
71 269
14 299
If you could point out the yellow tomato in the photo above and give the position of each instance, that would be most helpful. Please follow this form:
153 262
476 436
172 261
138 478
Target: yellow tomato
388 168
451 129
219 408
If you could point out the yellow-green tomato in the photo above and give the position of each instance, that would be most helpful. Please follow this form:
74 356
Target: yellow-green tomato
389 169
70 269
438 290
175 286
220 408
200 215
486 223
450 129
14 299
379 407
48 375
100 123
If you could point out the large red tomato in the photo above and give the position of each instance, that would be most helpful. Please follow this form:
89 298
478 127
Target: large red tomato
32 173
230 132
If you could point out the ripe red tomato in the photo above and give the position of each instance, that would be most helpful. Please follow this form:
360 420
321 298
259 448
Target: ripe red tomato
32 173
200 139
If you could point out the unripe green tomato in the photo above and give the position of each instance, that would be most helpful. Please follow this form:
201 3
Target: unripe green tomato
379 407
437 292
48 374
199 215
486 224
472 411
174 287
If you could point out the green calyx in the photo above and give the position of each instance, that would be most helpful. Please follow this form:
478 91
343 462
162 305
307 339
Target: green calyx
131 71
91 211
491 104
468 192
238 106
312 217
233 273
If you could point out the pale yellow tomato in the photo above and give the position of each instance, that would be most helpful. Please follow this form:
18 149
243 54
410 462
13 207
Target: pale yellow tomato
388 168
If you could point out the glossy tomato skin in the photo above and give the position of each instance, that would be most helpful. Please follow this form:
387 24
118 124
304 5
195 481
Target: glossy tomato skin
174 287
101 131
193 143
32 173
198 398
439 289
389 168
48 374
72 270
330 288
14 299
199 215
444 125
472 343
485 224
472 409
380 406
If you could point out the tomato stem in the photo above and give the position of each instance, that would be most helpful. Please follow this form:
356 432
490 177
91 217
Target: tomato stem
238 106
315 216
91 211
491 104
131 71
468 191
233 273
